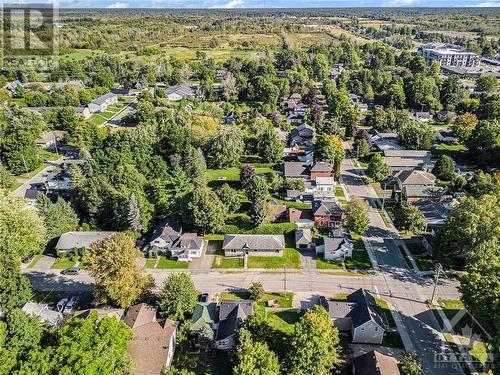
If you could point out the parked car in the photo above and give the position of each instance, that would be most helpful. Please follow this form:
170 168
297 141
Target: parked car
61 304
323 302
71 271
204 297
71 305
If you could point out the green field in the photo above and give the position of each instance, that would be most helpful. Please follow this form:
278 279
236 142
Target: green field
324 264
290 259
165 263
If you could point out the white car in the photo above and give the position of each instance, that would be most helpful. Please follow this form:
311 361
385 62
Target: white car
60 305
71 305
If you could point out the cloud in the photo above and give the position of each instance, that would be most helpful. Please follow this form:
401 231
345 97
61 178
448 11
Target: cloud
488 4
400 3
118 5
231 4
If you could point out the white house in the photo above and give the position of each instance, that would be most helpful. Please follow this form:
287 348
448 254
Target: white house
102 103
336 247
325 183
303 238
360 315
179 92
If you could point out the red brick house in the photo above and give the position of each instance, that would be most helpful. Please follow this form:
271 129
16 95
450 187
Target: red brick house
327 214
321 169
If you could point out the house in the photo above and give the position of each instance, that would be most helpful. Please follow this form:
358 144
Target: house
58 180
180 92
153 344
336 247
232 314
446 116
375 363
83 111
325 183
303 238
363 107
360 315
120 90
320 169
294 195
296 169
386 141
288 105
327 213
168 238
446 136
435 213
302 135
417 193
253 244
295 118
306 155
102 103
400 160
319 195
70 242
276 213
302 218
420 116
204 315
42 311
414 178
49 139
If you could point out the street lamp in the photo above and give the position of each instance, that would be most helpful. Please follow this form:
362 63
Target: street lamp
439 268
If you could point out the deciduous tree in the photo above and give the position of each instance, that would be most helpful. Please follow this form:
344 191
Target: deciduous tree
410 218
204 210
270 146
256 192
254 357
410 365
444 168
178 296
378 168
113 264
357 216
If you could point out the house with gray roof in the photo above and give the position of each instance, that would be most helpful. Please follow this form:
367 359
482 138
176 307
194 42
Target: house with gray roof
296 169
168 238
235 245
180 92
335 247
71 242
303 238
42 311
375 363
302 135
327 213
232 315
102 103
360 315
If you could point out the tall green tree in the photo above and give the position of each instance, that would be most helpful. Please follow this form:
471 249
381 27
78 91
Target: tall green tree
270 146
15 288
178 296
225 149
410 218
444 168
112 262
312 347
229 197
22 231
378 168
464 126
357 216
254 357
256 192
204 210
416 136
58 217
409 365
329 148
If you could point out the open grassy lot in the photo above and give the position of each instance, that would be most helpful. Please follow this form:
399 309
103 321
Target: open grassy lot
359 261
165 263
63 263
290 259
233 174
323 264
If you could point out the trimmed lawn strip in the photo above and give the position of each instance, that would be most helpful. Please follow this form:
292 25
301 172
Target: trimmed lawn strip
150 263
324 264
63 263
221 262
34 261
387 311
165 263
360 261
290 259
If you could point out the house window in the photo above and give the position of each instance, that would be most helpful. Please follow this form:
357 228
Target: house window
376 329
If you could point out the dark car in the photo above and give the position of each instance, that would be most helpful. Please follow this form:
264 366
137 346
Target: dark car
323 302
204 297
71 271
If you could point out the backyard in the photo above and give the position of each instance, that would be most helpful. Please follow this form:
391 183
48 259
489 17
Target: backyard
100 118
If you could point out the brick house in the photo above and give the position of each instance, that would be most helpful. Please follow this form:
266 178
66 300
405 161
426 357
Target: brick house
327 214
321 169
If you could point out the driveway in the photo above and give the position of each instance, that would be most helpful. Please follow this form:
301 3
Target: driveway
204 263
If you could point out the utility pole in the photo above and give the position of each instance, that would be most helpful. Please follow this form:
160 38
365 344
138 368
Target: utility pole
284 280
439 268
55 143
383 198
25 165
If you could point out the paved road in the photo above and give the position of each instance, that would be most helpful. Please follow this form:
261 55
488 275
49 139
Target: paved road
417 325
116 121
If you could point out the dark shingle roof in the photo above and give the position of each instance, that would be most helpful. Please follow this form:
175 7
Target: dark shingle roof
321 167
375 363
366 309
296 169
326 207
232 314
169 230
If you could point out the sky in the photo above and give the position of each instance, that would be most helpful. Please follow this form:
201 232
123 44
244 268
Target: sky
235 4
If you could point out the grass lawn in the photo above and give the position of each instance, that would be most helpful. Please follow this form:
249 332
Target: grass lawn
292 204
359 261
233 174
451 148
220 261
63 263
339 192
43 155
290 259
358 241
165 263
387 311
283 321
100 118
323 264
34 261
